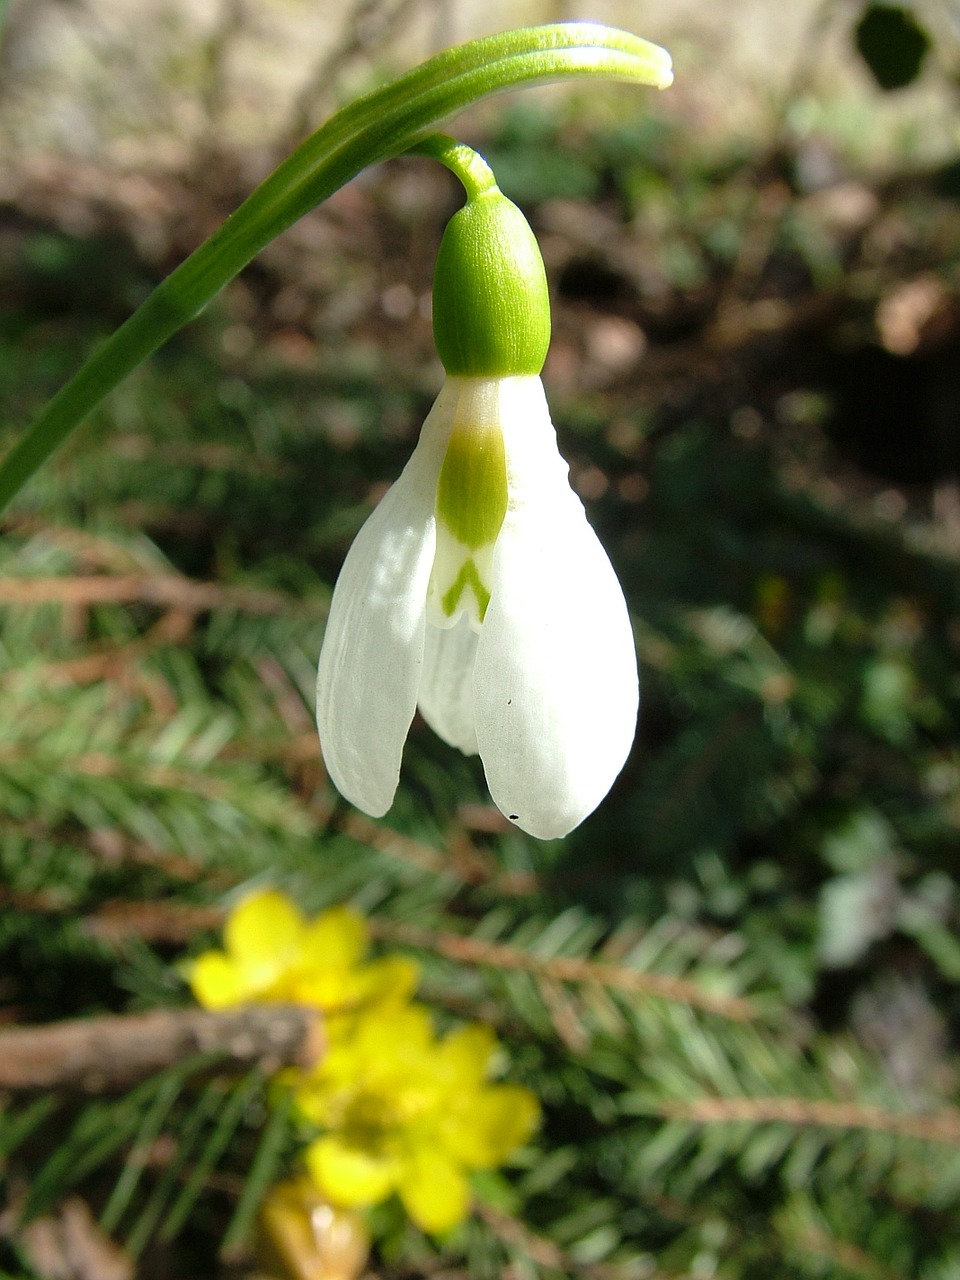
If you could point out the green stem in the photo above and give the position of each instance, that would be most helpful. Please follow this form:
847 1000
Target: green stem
382 124
463 162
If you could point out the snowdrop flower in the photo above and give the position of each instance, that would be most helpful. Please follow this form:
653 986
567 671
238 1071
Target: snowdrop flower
477 591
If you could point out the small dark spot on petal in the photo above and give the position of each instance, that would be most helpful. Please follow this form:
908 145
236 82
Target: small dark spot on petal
509 702
513 816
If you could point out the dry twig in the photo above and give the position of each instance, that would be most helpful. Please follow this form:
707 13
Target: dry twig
103 1054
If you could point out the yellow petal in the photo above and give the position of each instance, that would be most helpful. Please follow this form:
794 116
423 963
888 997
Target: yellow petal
492 1124
390 978
394 1034
215 981
330 989
263 935
433 1190
381 1063
350 1174
336 939
467 1054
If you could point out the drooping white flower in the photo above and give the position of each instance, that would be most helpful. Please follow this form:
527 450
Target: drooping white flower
533 663
477 590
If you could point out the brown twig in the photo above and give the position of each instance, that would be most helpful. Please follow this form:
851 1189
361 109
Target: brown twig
103 1054
930 1126
92 550
67 1243
155 922
497 955
164 590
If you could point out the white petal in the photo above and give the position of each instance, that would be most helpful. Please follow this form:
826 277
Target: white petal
373 645
446 685
556 674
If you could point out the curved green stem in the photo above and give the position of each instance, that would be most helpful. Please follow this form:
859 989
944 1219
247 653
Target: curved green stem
463 162
384 123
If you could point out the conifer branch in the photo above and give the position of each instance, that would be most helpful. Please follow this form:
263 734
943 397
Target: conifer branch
516 1235
819 1244
496 955
929 1126
103 764
464 859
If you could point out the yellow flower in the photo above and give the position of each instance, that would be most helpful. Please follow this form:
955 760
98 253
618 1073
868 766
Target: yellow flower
403 1111
273 952
399 1110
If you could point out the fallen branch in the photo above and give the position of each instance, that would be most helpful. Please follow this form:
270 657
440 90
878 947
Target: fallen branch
104 1054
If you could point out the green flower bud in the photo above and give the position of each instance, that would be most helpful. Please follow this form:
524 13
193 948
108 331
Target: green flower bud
491 307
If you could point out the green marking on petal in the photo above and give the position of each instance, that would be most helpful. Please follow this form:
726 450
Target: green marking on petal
472 488
468 576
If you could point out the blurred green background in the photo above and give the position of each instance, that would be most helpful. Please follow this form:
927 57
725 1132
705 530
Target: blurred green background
755 377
